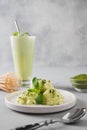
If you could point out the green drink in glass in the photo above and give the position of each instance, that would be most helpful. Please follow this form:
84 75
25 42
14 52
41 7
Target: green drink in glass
23 54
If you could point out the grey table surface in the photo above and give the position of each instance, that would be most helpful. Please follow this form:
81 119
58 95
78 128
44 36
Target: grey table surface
60 77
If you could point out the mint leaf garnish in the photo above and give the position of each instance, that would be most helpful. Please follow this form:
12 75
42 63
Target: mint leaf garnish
39 99
16 33
35 83
33 90
25 33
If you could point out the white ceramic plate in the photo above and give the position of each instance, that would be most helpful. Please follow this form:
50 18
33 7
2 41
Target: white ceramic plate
69 102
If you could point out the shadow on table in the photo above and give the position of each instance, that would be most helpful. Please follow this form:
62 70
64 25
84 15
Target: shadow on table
80 123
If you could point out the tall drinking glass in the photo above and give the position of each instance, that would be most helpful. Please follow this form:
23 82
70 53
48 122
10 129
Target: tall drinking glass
23 54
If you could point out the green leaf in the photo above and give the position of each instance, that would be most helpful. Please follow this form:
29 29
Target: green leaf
16 33
39 99
25 33
35 83
32 90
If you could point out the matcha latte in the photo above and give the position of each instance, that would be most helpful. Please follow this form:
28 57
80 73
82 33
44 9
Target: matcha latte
23 53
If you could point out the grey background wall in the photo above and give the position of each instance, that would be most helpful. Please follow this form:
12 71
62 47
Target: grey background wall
59 25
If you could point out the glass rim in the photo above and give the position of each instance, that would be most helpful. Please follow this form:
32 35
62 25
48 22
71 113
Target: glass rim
31 36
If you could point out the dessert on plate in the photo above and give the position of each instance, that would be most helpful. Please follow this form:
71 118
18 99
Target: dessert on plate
42 92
